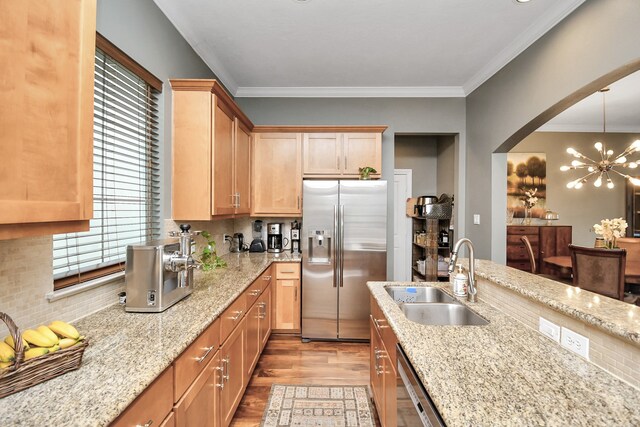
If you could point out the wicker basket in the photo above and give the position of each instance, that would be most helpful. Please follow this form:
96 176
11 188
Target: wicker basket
442 209
24 374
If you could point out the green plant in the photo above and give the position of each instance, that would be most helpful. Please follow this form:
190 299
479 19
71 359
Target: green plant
209 258
366 171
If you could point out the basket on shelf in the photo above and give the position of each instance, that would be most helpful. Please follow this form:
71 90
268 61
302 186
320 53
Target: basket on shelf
442 209
24 374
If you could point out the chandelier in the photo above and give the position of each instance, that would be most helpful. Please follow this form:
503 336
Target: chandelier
607 165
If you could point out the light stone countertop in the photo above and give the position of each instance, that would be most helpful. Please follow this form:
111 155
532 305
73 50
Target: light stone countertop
505 374
127 351
612 316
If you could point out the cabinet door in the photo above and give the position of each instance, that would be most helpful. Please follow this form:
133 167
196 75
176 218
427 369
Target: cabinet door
276 174
252 340
232 353
242 168
389 389
199 405
222 173
287 306
322 153
265 316
376 369
362 149
46 116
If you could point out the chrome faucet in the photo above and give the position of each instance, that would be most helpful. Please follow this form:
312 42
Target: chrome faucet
473 291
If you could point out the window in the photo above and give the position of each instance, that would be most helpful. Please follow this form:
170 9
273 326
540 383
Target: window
126 177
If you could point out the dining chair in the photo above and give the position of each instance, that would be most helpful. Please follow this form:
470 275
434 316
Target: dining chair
632 245
532 259
599 270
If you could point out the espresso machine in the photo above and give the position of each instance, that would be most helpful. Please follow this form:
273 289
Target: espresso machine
274 237
159 273
295 237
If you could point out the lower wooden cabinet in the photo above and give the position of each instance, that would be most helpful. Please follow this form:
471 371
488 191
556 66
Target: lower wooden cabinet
199 405
252 337
286 311
383 371
265 320
232 354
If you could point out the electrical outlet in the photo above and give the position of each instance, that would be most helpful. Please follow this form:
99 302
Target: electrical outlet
476 219
225 237
575 342
549 329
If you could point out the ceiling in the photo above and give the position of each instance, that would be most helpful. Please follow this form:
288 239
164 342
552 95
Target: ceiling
334 48
622 107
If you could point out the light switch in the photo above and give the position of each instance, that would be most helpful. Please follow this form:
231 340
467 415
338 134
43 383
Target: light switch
476 219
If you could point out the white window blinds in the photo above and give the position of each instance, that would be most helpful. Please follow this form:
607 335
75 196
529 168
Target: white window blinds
125 176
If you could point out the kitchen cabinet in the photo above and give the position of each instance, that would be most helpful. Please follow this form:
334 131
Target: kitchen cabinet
258 324
252 336
232 354
211 152
46 116
286 309
276 174
546 241
199 405
383 371
152 405
340 155
265 320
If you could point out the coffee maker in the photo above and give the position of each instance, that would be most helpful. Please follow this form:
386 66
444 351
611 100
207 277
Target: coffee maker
274 237
295 237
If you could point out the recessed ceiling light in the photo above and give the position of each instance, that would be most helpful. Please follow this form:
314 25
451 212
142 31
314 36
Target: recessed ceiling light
301 1
522 1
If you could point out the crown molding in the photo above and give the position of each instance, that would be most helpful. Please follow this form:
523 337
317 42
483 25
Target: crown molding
586 128
536 30
351 92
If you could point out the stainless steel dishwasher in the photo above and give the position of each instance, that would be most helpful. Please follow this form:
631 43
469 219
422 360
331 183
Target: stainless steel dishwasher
414 407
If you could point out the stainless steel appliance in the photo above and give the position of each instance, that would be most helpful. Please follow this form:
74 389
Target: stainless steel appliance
295 237
275 242
159 273
414 406
344 244
236 243
257 244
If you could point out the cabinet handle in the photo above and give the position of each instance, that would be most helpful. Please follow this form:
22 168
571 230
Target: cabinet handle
287 272
266 278
298 202
295 294
220 368
225 373
346 163
263 310
255 292
148 424
204 356
237 316
338 163
238 200
378 325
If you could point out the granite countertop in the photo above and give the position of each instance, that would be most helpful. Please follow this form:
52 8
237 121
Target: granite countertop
613 316
506 374
127 351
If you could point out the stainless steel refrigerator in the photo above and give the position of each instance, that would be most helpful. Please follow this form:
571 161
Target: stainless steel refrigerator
344 245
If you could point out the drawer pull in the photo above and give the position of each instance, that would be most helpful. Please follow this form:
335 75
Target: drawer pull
266 278
255 292
378 325
204 356
262 313
221 384
225 372
238 315
287 272
148 424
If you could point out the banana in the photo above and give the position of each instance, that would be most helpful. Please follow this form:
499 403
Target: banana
6 353
36 338
64 329
5 364
35 352
66 342
54 348
48 333
9 340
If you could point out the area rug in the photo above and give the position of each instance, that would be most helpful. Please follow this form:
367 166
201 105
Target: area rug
318 405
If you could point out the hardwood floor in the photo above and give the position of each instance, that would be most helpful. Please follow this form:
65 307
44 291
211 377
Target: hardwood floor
287 360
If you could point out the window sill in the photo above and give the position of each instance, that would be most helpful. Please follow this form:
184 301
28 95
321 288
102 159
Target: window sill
83 287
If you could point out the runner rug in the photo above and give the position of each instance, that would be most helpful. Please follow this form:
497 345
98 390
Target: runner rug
318 405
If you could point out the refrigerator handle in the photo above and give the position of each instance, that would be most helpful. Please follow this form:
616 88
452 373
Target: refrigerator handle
335 246
341 244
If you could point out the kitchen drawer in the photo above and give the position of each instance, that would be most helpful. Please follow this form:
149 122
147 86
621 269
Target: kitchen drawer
170 421
193 360
520 265
385 331
232 317
514 229
289 270
518 253
266 278
514 239
253 292
152 406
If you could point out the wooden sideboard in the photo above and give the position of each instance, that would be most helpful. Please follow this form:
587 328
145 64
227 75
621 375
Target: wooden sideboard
546 241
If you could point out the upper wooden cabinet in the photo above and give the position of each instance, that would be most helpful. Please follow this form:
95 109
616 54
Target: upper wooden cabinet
211 152
46 116
276 171
340 155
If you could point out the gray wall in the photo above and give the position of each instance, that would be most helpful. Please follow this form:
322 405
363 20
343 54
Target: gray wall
600 36
587 206
446 165
401 115
420 154
143 32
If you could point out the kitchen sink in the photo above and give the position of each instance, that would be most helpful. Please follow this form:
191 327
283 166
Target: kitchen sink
442 314
402 294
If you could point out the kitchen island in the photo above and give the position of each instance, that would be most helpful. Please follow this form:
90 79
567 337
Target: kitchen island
127 351
505 373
